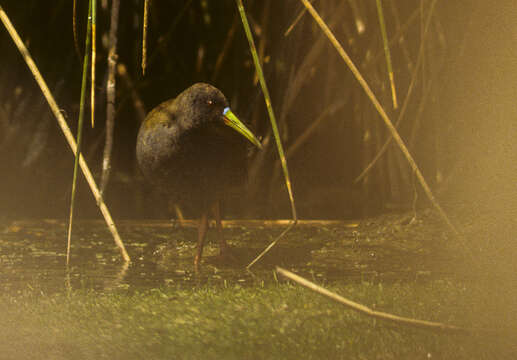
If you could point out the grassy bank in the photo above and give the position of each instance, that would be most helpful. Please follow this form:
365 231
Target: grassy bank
233 322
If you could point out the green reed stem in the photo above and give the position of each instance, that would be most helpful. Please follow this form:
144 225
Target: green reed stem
387 53
63 125
267 98
79 128
94 56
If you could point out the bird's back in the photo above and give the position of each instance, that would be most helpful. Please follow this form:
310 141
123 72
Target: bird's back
194 166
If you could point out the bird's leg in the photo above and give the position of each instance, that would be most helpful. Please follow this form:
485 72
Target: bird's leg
201 234
223 247
224 250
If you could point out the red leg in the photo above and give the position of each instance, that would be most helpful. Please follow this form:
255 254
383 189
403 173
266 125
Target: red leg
223 247
201 235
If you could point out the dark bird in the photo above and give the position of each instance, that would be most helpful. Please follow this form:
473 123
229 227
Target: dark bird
193 148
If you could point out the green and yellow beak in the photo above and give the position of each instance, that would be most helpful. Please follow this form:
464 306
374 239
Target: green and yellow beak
232 121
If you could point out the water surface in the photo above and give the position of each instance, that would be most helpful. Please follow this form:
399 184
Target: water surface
33 254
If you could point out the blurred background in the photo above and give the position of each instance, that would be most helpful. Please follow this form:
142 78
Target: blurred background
458 58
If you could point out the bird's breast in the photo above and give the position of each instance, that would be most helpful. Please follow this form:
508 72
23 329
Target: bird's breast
194 165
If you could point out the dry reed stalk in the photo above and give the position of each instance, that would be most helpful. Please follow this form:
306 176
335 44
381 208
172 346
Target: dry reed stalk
386 120
422 324
65 129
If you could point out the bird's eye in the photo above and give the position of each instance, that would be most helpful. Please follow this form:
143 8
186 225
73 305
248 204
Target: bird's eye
209 102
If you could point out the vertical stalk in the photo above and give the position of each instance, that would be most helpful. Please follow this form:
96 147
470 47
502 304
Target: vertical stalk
74 30
387 53
267 99
110 95
144 36
386 120
79 129
24 52
272 118
94 55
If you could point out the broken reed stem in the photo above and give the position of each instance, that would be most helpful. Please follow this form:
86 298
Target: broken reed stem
386 120
422 324
65 129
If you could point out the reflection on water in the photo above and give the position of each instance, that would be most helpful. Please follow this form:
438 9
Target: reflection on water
32 254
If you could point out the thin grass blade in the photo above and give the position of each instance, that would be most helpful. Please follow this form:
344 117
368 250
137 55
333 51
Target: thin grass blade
79 129
387 53
272 118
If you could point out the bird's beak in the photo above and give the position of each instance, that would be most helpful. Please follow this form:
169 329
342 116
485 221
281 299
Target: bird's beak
231 120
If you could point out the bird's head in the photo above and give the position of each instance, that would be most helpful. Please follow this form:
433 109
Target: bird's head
205 103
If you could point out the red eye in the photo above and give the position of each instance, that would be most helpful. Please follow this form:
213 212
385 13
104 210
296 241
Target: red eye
209 102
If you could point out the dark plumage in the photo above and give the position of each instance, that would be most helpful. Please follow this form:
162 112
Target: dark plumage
194 149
